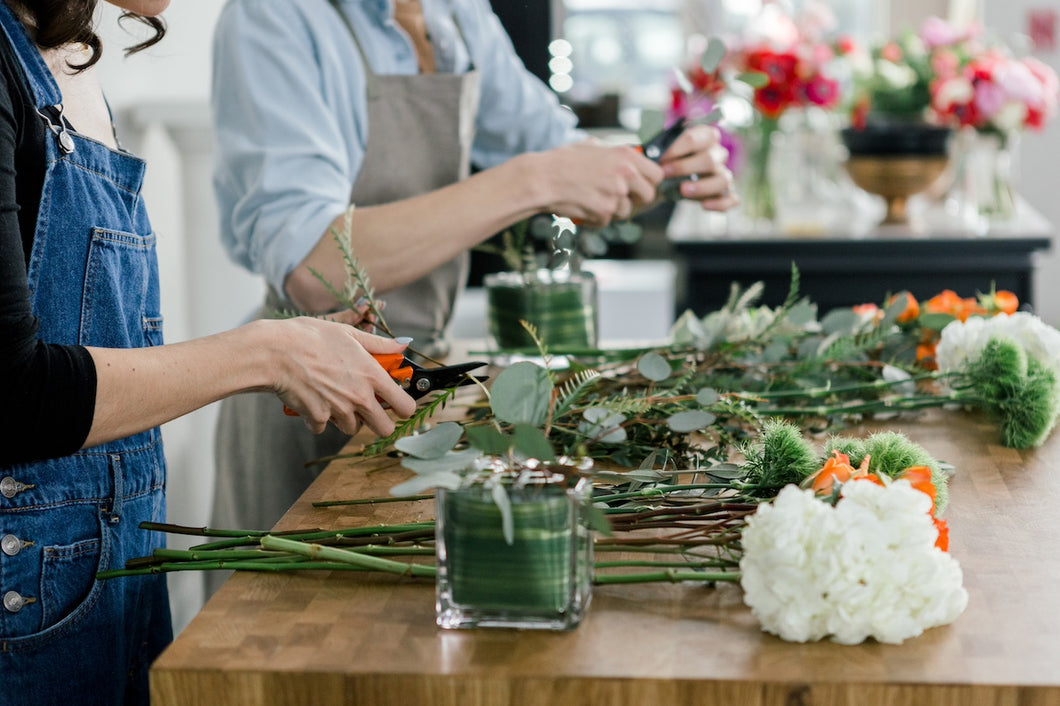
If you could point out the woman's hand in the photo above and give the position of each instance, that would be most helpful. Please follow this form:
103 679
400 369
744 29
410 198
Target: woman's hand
698 154
326 372
594 183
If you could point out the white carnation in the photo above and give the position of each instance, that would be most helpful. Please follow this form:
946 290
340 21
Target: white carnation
962 342
867 567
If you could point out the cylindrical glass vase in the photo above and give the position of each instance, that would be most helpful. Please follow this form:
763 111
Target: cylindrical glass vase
559 304
542 579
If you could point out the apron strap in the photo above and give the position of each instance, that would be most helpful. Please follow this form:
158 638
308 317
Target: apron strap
370 75
41 82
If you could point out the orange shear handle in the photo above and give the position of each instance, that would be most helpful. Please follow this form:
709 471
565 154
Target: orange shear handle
393 363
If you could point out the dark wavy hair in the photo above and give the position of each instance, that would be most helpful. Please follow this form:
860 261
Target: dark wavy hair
53 23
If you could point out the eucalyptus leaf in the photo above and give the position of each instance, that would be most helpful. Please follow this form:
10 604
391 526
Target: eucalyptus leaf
802 313
593 244
892 311
488 440
433 443
504 505
712 55
651 122
451 462
630 478
603 425
754 79
841 321
531 442
693 420
808 347
707 396
904 381
628 232
521 394
420 483
935 322
712 118
654 367
775 352
597 520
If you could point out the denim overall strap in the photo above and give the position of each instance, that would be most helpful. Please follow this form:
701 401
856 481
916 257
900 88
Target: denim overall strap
93 280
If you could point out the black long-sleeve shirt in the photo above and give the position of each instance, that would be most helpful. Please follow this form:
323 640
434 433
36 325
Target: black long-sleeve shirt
48 391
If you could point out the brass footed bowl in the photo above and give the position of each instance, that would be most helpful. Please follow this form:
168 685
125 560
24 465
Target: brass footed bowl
895 178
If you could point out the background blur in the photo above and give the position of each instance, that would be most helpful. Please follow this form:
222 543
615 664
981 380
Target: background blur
161 100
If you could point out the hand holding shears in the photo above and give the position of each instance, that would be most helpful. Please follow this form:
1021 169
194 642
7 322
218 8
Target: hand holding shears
416 380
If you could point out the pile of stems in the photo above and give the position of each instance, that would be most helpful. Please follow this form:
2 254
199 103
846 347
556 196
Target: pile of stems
713 526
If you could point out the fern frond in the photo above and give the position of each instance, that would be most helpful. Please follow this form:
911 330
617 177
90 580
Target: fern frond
572 389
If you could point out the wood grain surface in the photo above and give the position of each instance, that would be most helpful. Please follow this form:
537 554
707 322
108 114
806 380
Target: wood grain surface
350 638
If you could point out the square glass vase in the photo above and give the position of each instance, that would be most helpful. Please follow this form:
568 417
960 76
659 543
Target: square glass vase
560 304
541 580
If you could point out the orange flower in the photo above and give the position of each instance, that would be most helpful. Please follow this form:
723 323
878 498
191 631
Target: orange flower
837 470
945 302
912 307
925 356
920 478
999 302
943 541
967 307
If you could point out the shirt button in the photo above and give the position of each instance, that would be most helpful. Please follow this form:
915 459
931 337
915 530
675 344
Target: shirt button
10 544
9 487
13 601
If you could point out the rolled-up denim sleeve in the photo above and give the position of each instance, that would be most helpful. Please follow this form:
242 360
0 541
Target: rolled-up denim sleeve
284 167
517 111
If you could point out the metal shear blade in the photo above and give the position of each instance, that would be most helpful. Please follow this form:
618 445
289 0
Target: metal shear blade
656 147
426 380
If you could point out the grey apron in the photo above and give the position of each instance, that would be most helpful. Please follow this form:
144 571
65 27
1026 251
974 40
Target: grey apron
420 131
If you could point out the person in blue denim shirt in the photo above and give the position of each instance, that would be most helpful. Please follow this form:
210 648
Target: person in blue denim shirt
381 107
87 379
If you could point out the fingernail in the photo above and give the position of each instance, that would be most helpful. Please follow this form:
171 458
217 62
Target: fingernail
362 302
404 340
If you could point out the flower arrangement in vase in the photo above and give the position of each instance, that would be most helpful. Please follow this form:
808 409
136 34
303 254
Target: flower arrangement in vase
992 97
784 64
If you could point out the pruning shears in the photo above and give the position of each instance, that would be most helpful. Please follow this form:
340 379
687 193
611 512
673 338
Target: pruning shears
656 147
417 380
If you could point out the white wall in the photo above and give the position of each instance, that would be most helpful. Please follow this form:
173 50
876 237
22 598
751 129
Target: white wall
1038 156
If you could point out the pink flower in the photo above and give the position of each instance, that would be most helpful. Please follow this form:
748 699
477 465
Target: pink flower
989 99
937 32
945 63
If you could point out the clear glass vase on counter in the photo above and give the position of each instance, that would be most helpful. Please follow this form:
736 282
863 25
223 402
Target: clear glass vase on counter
539 576
992 162
559 304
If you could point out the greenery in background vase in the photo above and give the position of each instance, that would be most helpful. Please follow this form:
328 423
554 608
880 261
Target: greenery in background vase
757 192
548 289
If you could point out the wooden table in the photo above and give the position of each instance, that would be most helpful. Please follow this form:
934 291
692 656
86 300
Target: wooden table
343 638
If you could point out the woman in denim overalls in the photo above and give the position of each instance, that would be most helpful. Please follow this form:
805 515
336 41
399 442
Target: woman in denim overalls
93 281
